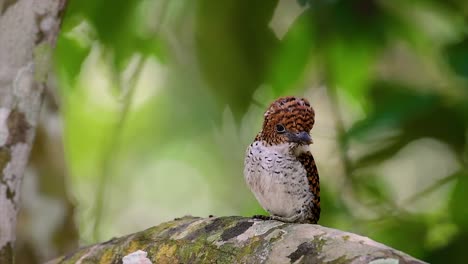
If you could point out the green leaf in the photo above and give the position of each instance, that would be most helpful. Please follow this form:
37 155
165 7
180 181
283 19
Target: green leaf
406 234
457 56
350 63
235 46
303 2
453 252
380 154
457 202
392 105
414 114
293 55
400 115
69 55
371 188
117 26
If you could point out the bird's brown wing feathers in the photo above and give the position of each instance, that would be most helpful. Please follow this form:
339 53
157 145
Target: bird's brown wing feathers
307 160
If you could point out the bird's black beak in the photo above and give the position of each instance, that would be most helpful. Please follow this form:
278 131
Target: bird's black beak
300 137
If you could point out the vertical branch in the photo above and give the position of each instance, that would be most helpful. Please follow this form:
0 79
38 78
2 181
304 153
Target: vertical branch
28 30
343 144
110 151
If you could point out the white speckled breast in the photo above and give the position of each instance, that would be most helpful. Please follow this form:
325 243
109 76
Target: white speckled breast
277 179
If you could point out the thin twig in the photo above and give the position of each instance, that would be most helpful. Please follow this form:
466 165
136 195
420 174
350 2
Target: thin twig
258 104
436 185
343 147
112 148
162 15
343 143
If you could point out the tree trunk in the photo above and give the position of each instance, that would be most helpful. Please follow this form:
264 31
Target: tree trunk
46 225
237 240
28 30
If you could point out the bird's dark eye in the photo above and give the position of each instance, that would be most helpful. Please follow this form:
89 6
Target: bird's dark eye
280 128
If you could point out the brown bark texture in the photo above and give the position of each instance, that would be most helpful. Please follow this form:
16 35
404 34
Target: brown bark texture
237 240
28 30
46 225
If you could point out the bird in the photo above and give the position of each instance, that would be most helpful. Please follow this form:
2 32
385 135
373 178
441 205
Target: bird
279 168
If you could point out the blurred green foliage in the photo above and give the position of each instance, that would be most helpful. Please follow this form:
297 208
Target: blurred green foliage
160 99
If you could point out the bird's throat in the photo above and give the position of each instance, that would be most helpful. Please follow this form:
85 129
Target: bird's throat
297 149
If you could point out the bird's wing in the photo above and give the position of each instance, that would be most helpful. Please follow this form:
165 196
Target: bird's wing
307 160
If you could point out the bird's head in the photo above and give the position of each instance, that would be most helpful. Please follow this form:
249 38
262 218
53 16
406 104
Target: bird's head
288 120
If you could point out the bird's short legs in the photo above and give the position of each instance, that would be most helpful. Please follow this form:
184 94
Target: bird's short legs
291 219
262 217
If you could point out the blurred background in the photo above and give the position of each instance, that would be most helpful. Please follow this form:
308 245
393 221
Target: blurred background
153 102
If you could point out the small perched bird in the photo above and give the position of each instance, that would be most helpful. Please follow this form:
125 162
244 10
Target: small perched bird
279 168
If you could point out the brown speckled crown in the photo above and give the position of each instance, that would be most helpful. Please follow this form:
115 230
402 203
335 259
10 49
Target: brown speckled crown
295 114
